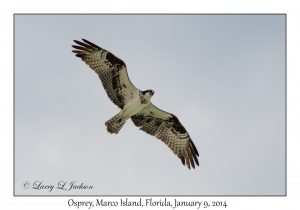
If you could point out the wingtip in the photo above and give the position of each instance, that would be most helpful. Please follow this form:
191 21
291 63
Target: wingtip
194 147
192 163
182 160
77 42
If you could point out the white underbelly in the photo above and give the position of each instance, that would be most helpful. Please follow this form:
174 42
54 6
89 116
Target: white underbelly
133 109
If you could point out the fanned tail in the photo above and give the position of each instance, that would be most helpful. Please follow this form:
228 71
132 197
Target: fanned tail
115 124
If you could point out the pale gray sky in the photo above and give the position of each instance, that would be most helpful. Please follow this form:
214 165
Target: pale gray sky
223 76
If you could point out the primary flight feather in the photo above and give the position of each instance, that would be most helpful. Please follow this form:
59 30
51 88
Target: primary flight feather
136 104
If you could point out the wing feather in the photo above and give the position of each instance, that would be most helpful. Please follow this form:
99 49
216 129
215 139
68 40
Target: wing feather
111 70
166 127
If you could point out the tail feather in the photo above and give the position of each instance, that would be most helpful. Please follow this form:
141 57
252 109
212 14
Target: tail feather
115 124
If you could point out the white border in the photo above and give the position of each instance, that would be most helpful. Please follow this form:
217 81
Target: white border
8 201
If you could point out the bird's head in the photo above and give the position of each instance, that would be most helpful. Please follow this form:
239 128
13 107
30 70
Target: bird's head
151 92
148 93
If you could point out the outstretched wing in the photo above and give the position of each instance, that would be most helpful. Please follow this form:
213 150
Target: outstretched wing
166 127
111 70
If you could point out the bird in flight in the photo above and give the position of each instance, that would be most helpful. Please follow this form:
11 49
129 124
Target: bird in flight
135 103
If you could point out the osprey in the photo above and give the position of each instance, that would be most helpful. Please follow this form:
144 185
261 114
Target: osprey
136 104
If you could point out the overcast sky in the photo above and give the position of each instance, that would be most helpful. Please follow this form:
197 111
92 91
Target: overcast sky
223 76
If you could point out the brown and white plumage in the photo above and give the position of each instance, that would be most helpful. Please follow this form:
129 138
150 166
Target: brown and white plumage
166 127
111 70
136 104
